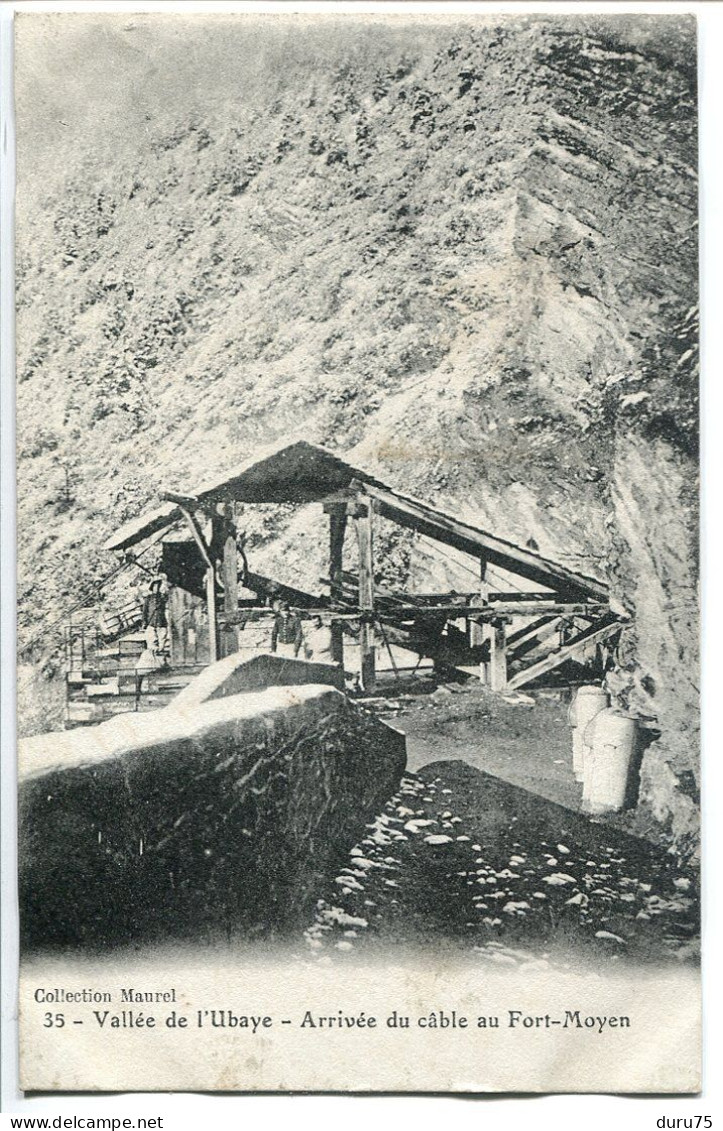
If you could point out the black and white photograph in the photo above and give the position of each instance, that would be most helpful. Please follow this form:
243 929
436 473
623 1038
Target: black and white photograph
358 551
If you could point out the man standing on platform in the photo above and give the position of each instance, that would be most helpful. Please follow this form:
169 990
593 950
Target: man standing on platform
155 620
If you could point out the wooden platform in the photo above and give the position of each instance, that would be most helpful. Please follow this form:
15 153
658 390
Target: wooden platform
94 695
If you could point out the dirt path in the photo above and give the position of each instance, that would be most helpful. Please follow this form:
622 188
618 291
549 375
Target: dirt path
484 850
460 860
524 744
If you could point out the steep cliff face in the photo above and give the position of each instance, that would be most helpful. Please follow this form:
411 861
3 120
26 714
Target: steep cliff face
655 572
462 253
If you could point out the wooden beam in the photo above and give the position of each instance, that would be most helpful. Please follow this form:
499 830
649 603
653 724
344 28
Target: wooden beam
511 595
486 632
211 607
531 639
187 502
337 501
476 631
484 585
491 612
197 535
498 656
230 574
210 582
365 541
230 580
450 531
460 605
337 530
349 584
528 631
595 632
254 613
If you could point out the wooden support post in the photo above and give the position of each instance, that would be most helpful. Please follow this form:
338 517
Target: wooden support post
486 637
484 585
498 656
337 530
211 606
476 630
230 566
230 588
365 537
210 584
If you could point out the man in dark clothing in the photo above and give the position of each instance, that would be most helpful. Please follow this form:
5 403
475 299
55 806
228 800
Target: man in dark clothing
286 635
155 621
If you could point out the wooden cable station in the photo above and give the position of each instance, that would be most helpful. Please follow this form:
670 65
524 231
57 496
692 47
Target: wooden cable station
510 636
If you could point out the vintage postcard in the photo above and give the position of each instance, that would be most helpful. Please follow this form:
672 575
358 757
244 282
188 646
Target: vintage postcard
357 462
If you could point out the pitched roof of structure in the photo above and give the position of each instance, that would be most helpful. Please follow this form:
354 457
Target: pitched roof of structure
305 473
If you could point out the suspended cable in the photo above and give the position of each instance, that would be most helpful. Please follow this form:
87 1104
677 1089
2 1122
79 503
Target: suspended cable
438 546
475 573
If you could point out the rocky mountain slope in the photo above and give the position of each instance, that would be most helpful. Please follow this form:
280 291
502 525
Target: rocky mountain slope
463 253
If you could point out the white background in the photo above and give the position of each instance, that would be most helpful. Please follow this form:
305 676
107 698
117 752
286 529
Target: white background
594 1113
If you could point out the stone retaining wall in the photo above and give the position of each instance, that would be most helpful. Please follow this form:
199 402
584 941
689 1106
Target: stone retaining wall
181 823
239 672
